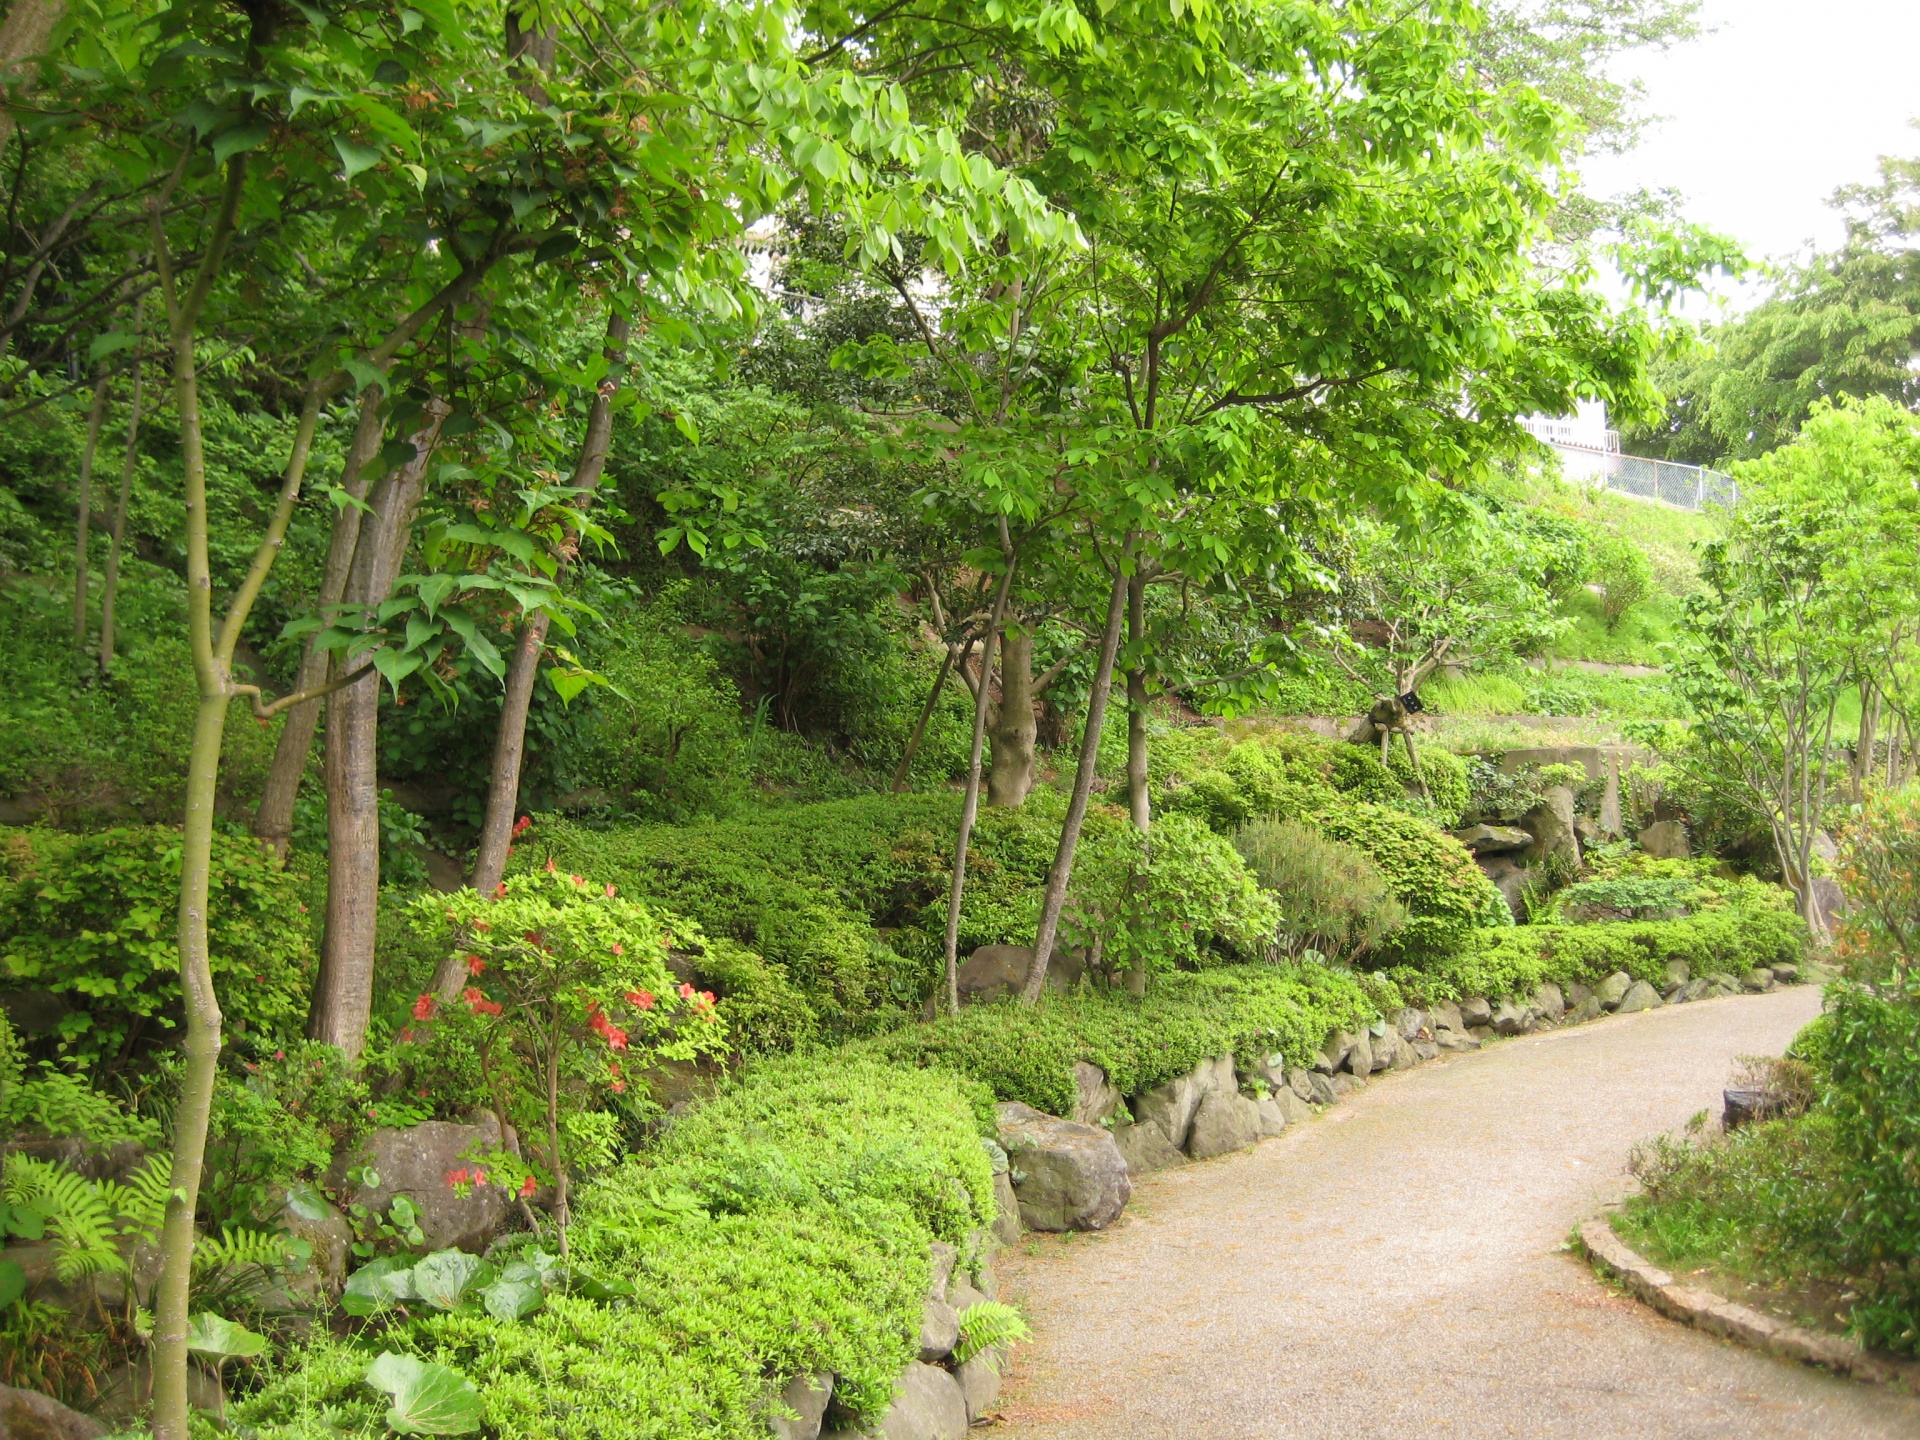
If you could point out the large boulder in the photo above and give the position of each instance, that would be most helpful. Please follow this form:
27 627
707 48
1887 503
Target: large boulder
1551 824
1549 1000
1360 1055
927 1405
979 1381
1640 996
1493 839
424 1163
1610 991
1145 1147
1226 1121
803 1404
1066 1176
1172 1104
1271 1112
1475 1011
29 1415
1666 840
994 972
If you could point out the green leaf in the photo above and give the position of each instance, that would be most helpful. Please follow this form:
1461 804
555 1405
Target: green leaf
218 1338
226 146
377 1285
395 666
427 1399
307 1202
434 589
13 1282
111 343
554 246
444 1277
513 1299
355 157
26 1222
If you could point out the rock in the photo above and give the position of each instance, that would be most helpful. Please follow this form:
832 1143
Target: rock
1323 1091
1724 981
1401 1054
1587 832
1588 1009
1475 1012
1640 996
1098 1101
963 1297
939 1329
1455 1040
1666 840
979 1382
1171 1105
1757 980
1678 972
1296 1109
1575 992
927 1405
416 1162
1741 1107
1343 1084
1006 1217
1145 1147
1300 1082
806 1396
1271 1114
1814 973
1273 1071
1825 848
29 1415
1480 1032
940 1262
1224 1122
1509 1019
1692 990
1493 839
1551 825
1610 991
1067 1176
994 972
1334 1053
1829 901
1446 1016
1786 974
1426 1049
1549 1000
1510 878
1360 1056
1410 1023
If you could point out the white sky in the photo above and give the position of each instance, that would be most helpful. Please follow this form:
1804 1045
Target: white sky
1784 102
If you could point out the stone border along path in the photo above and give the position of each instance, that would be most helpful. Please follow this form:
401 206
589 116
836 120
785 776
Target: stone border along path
1399 1267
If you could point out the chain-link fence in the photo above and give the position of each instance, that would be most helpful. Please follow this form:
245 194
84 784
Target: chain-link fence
1690 487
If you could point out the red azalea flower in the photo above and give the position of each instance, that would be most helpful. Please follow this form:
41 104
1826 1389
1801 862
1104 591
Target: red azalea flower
475 965
423 1007
520 826
499 893
458 1177
609 892
550 867
686 991
619 1087
279 1054
479 1177
618 948
578 880
527 1187
642 998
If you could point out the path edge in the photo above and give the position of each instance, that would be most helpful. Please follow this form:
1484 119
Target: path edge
1715 1314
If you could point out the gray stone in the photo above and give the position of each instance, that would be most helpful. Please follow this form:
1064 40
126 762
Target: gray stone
1006 1219
1786 974
1722 980
1144 1146
1509 1019
1610 991
806 1396
1426 1049
1678 972
1480 1032
1587 1009
1446 1016
1477 1011
1640 996
327 1230
1323 1091
1410 1023
1343 1084
979 1381
1507 875
1401 1055
1455 1040
963 1297
1757 980
1549 1000
1293 1106
1829 901
927 1405
1576 992
1300 1081
1588 832
939 1329
1169 1107
1666 840
1493 839
1692 990
1098 1100
29 1415
1273 1071
1825 848
1742 1107
1360 1056
1067 1176
416 1162
1225 1122
940 1261
1334 1053
994 972
1551 825
1272 1114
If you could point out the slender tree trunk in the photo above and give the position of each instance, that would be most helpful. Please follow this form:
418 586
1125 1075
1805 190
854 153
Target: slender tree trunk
1014 733
1863 745
926 713
1139 798
83 503
273 820
343 989
23 39
970 807
1062 871
116 533
503 787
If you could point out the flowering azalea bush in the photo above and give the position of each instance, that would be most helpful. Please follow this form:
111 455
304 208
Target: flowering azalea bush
568 1001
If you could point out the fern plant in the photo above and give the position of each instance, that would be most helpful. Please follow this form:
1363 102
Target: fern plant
87 1218
987 1327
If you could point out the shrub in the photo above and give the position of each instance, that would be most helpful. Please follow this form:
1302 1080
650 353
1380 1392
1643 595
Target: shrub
1880 870
780 1229
1445 775
1276 773
1331 897
92 919
1626 576
1446 895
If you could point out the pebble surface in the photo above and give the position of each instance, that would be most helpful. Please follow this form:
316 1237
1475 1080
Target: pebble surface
1397 1267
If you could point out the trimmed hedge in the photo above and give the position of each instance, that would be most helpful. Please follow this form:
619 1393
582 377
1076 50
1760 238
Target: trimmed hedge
781 1228
1028 1053
1430 872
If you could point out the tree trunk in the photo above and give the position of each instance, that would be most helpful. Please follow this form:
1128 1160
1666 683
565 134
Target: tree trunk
970 807
503 785
1139 798
1863 745
343 989
1014 733
23 38
1062 871
273 821
110 585
926 713
83 503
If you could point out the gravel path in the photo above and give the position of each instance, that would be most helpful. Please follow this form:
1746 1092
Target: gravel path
1394 1268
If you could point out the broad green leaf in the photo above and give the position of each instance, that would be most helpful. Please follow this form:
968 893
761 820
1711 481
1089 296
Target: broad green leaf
513 1299
355 157
377 1285
434 589
111 343
307 1202
445 1277
226 146
218 1338
427 1399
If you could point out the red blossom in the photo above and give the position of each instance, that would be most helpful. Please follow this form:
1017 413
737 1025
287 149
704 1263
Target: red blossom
475 965
642 998
551 867
520 826
423 1007
458 1177
499 893
527 1187
686 991
579 880
478 1003
619 1087
279 1054
609 892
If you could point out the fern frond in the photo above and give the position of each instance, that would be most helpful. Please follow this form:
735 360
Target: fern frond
236 1248
140 1205
989 1327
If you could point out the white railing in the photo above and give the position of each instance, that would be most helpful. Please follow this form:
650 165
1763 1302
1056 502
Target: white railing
1688 487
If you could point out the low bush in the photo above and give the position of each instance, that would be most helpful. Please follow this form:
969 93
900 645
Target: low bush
1443 773
1331 897
92 918
1447 896
782 1228
1027 1053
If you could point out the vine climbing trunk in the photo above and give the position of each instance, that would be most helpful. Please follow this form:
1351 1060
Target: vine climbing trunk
1055 897
117 527
503 785
970 806
343 988
83 502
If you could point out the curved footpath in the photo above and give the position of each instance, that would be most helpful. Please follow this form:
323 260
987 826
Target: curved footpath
1395 1268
